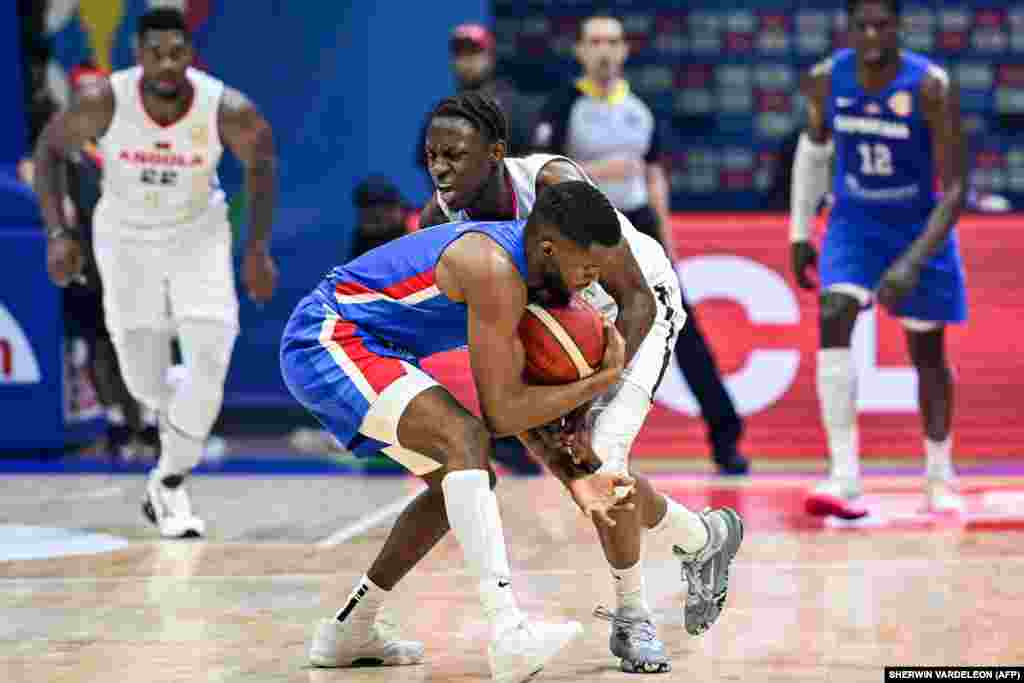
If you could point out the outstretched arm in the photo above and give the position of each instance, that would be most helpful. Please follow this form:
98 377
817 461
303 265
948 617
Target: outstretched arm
595 493
249 136
87 118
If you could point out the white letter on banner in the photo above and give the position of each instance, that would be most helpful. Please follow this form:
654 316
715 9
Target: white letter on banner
767 299
769 373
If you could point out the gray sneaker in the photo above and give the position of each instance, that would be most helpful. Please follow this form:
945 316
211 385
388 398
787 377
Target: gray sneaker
635 641
706 572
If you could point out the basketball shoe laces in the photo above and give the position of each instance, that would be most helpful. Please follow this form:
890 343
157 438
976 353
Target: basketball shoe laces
695 566
696 585
638 629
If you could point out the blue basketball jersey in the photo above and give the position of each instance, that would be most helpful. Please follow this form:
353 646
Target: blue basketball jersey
390 292
884 166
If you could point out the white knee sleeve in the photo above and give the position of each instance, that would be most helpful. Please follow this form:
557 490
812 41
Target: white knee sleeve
206 351
616 420
144 356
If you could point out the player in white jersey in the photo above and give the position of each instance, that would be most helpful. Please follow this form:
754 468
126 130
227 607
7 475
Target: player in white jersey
161 236
475 181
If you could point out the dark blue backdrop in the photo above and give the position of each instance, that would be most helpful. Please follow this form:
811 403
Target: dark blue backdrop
346 87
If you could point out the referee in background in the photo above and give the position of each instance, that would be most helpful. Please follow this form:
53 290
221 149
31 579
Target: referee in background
599 123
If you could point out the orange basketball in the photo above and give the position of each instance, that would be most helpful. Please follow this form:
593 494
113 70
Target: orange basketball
562 344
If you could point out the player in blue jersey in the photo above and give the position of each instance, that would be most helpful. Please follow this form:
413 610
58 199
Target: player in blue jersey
350 355
892 120
474 179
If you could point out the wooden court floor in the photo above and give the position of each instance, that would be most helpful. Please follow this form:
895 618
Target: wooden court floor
808 602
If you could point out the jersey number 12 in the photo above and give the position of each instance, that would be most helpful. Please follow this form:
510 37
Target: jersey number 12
875 159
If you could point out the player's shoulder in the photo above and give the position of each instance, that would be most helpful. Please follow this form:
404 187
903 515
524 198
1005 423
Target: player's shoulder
934 78
824 67
478 259
232 100
816 81
552 169
633 99
99 90
118 84
96 99
122 76
204 78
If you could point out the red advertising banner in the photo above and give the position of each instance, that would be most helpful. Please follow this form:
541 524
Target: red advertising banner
763 330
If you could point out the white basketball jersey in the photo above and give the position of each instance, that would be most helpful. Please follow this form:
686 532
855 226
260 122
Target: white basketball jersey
523 172
159 176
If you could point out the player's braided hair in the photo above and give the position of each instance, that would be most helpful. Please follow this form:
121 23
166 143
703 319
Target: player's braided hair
580 212
482 111
894 5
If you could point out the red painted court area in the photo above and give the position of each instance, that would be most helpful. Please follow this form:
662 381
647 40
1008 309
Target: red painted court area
776 504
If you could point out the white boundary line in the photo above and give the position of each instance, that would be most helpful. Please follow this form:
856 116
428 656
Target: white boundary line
367 522
851 565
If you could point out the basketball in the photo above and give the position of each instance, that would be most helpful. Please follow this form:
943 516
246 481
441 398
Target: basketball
562 344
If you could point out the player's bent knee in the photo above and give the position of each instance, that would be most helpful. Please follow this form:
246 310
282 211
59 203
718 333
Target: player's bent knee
929 363
927 348
433 479
207 348
465 445
143 356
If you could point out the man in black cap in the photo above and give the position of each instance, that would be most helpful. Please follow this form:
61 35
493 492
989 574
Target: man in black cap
471 47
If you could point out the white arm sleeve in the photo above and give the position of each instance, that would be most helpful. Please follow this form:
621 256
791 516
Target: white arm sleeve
810 183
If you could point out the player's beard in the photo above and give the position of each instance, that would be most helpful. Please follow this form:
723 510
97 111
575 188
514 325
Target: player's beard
169 94
552 292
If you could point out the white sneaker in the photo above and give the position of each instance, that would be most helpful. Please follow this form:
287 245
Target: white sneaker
941 496
521 652
359 643
167 505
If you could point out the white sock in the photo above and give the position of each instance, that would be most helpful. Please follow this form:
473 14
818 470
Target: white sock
837 398
939 458
363 602
473 515
629 587
686 528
